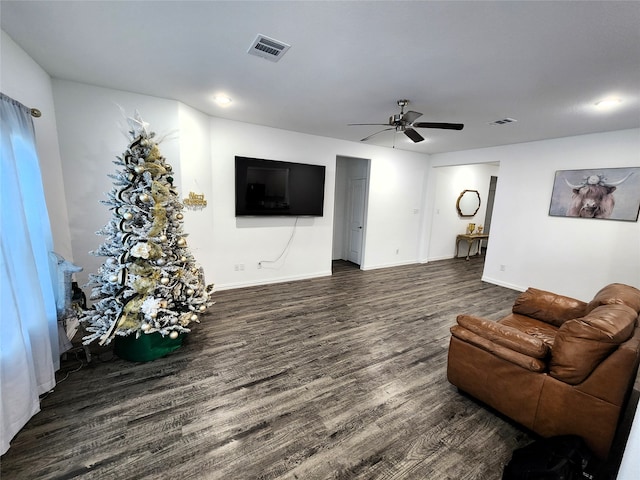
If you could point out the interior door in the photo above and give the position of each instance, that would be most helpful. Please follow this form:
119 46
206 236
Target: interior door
356 219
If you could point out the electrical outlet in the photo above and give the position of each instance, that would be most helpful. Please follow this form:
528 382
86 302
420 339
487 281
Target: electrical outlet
397 251
503 268
259 265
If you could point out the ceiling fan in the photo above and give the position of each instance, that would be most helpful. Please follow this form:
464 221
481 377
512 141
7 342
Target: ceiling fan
405 122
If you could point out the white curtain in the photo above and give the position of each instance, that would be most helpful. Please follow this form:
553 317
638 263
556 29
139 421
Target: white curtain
28 319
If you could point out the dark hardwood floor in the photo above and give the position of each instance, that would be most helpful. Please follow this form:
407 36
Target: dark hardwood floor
342 377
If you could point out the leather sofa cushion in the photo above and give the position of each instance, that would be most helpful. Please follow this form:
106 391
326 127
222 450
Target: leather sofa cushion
581 344
614 294
548 307
532 327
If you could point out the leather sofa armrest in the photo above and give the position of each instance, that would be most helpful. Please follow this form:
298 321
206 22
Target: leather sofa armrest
506 336
529 363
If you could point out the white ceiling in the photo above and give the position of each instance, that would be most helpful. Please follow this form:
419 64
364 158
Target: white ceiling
542 63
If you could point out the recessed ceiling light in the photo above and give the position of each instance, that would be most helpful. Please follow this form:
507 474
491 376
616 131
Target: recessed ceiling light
608 103
222 100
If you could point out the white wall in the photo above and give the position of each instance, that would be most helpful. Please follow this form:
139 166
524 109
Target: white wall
201 150
571 256
449 182
25 81
196 176
246 241
90 127
395 210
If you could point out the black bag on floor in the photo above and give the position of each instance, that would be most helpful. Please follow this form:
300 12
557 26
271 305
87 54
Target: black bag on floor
557 458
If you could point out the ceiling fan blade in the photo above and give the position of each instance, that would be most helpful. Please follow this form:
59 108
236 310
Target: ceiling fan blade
446 126
367 138
413 135
379 124
411 116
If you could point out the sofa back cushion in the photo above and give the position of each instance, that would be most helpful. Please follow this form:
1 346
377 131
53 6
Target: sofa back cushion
616 293
548 307
581 344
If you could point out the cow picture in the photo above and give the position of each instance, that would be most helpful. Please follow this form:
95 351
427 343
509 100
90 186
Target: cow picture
610 193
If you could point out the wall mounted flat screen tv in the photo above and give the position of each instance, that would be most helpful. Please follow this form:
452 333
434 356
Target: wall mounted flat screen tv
270 187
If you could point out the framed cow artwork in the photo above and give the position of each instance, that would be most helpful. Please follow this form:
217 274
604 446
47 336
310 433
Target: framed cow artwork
606 193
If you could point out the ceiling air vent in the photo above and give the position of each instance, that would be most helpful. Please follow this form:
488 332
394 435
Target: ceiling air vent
268 48
503 121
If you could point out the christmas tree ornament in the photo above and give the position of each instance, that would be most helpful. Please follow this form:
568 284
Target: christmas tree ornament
138 300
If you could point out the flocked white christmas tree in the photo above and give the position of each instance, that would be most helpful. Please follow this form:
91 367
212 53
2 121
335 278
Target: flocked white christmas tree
149 281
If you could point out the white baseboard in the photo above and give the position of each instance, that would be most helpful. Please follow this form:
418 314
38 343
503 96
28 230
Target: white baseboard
387 265
269 281
439 257
500 283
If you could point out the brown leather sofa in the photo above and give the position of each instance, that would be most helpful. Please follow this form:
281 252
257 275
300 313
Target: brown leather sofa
556 365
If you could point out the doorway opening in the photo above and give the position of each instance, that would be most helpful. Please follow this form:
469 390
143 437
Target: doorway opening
491 195
350 209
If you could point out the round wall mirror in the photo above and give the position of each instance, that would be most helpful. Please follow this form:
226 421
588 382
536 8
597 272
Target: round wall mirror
468 203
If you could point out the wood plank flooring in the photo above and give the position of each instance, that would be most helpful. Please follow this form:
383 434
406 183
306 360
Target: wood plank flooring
342 377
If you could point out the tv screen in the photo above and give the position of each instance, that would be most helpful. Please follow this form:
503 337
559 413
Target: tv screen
270 187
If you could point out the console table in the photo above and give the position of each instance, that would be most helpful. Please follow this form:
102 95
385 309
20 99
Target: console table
470 238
